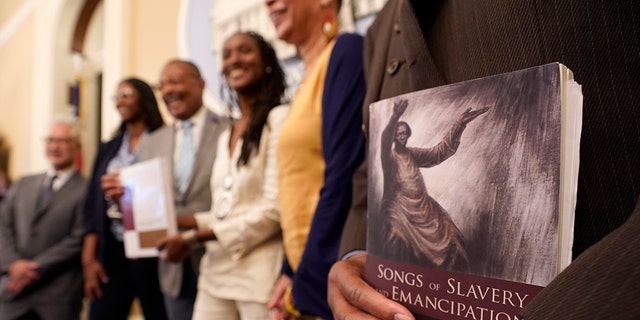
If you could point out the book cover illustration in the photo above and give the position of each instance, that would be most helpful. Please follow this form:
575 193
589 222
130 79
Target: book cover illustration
466 186
148 212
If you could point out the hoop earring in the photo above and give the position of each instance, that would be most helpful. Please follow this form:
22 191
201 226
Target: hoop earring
268 69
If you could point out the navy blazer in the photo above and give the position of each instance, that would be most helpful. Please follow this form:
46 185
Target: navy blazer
343 151
95 207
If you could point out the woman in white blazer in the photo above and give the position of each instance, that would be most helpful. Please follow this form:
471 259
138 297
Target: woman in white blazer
241 232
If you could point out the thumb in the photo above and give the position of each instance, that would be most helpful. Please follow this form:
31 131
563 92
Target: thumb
162 244
103 276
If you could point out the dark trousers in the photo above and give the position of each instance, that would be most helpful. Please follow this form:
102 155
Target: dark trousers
129 279
58 310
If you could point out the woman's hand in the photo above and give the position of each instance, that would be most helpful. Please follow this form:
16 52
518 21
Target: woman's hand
112 187
94 278
277 303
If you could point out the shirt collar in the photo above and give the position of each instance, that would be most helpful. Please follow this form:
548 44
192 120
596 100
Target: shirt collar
197 119
61 175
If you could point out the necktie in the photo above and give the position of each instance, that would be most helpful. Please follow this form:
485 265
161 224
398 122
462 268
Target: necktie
185 157
45 193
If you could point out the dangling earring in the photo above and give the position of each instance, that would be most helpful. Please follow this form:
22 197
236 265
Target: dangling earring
326 28
330 25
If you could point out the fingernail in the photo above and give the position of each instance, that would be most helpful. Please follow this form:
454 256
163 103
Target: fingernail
400 317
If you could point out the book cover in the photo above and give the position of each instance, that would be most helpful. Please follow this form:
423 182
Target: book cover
148 212
472 190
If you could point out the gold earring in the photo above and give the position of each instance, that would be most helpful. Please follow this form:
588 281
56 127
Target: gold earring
329 28
326 27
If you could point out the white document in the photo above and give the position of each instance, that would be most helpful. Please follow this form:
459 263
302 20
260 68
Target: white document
148 211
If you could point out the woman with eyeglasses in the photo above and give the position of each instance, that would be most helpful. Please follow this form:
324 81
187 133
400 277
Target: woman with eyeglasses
112 281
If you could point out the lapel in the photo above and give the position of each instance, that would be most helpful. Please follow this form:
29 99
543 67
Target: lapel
43 209
425 72
35 185
162 145
397 61
206 151
166 144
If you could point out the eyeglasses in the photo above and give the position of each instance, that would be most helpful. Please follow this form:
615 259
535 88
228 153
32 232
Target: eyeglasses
174 81
52 140
123 94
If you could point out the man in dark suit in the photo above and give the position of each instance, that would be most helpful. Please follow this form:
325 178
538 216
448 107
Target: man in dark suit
194 134
415 45
41 236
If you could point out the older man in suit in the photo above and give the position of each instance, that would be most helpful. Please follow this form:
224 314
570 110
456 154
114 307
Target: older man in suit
190 146
41 236
421 44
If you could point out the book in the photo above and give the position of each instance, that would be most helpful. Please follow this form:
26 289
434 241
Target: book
472 192
148 211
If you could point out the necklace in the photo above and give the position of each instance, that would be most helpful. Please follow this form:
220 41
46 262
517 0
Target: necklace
223 201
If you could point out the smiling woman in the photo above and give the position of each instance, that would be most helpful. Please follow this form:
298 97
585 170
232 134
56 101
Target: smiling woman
241 64
320 148
241 231
111 281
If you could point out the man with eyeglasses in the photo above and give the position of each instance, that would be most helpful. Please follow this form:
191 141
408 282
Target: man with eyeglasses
41 235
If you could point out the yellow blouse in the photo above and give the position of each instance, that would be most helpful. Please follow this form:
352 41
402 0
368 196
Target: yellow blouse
300 161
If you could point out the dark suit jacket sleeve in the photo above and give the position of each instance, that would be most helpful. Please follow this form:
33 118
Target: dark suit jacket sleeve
605 276
8 246
343 151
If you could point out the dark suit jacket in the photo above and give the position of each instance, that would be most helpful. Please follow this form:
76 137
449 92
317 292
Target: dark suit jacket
602 283
197 197
462 40
51 236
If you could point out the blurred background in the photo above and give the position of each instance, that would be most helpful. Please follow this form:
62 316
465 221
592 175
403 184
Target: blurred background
66 57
